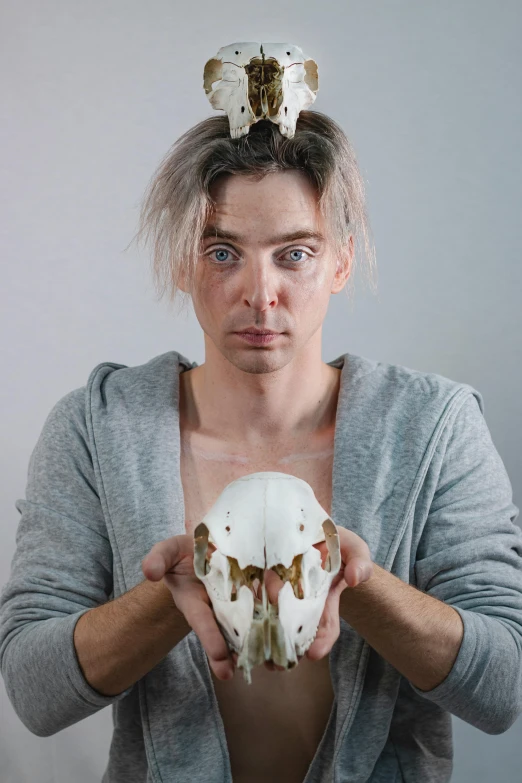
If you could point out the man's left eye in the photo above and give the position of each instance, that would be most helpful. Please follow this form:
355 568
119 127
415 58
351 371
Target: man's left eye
297 250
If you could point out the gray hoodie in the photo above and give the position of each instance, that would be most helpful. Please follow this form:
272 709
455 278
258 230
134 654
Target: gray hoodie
415 474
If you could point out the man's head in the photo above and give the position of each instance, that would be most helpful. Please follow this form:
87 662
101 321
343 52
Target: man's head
259 269
229 220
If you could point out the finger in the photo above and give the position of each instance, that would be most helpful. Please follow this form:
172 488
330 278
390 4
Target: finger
200 617
323 550
165 555
274 667
273 584
355 556
357 570
328 630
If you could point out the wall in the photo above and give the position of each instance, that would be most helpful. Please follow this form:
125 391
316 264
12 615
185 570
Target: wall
93 95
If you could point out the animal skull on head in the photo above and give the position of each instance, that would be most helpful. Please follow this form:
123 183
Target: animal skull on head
253 81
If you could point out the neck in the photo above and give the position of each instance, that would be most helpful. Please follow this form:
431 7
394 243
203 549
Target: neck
224 402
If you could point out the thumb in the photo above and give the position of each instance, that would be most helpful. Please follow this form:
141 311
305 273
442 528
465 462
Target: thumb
166 555
357 570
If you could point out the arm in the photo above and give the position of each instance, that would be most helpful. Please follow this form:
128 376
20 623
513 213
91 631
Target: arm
61 571
419 635
119 642
469 558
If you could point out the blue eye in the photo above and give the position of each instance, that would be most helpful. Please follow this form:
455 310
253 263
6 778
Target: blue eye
225 255
297 251
222 250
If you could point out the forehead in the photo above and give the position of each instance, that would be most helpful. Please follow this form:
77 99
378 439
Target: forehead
291 185
281 206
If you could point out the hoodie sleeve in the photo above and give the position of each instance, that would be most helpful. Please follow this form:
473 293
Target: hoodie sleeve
62 568
470 557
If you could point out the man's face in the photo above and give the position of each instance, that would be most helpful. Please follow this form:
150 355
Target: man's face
252 275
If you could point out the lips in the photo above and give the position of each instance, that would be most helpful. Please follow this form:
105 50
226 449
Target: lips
257 331
258 336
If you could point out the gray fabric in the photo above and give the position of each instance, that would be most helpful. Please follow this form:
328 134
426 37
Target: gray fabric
415 474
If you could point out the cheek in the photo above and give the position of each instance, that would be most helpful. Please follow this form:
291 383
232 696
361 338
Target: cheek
310 290
213 292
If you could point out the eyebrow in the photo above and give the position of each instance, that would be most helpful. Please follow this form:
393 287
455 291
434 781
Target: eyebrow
290 236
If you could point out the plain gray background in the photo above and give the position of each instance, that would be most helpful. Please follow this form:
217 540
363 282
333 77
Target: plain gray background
93 95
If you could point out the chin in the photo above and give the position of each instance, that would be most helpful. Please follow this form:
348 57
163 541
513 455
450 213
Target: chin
257 360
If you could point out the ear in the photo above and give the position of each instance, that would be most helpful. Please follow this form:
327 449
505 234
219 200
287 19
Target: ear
182 283
343 268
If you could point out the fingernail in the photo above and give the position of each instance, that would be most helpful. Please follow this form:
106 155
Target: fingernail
361 573
155 568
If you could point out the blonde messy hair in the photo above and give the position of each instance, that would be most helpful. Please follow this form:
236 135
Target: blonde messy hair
177 203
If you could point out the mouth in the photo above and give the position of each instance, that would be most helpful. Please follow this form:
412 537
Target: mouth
258 336
254 330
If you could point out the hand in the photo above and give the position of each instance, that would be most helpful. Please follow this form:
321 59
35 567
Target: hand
356 567
173 561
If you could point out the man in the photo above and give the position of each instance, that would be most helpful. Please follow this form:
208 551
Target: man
425 618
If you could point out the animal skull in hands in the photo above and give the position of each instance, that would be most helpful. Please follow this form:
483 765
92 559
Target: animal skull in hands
263 521
253 81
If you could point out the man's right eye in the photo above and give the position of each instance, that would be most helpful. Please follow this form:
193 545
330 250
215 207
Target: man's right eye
220 252
222 255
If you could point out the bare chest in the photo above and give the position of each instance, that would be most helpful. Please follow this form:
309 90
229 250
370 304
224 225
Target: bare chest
274 725
206 471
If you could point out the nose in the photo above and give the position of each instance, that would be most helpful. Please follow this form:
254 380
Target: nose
260 285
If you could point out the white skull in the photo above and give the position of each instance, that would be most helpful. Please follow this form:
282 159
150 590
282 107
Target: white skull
253 81
262 521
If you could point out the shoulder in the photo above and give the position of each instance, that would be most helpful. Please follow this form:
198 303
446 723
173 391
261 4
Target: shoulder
394 387
66 417
111 378
70 412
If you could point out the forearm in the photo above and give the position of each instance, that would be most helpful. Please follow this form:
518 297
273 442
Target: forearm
418 634
119 642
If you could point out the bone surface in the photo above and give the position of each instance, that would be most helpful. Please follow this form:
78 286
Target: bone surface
252 81
266 520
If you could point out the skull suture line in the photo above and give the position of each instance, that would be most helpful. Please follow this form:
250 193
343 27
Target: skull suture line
252 81
267 520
